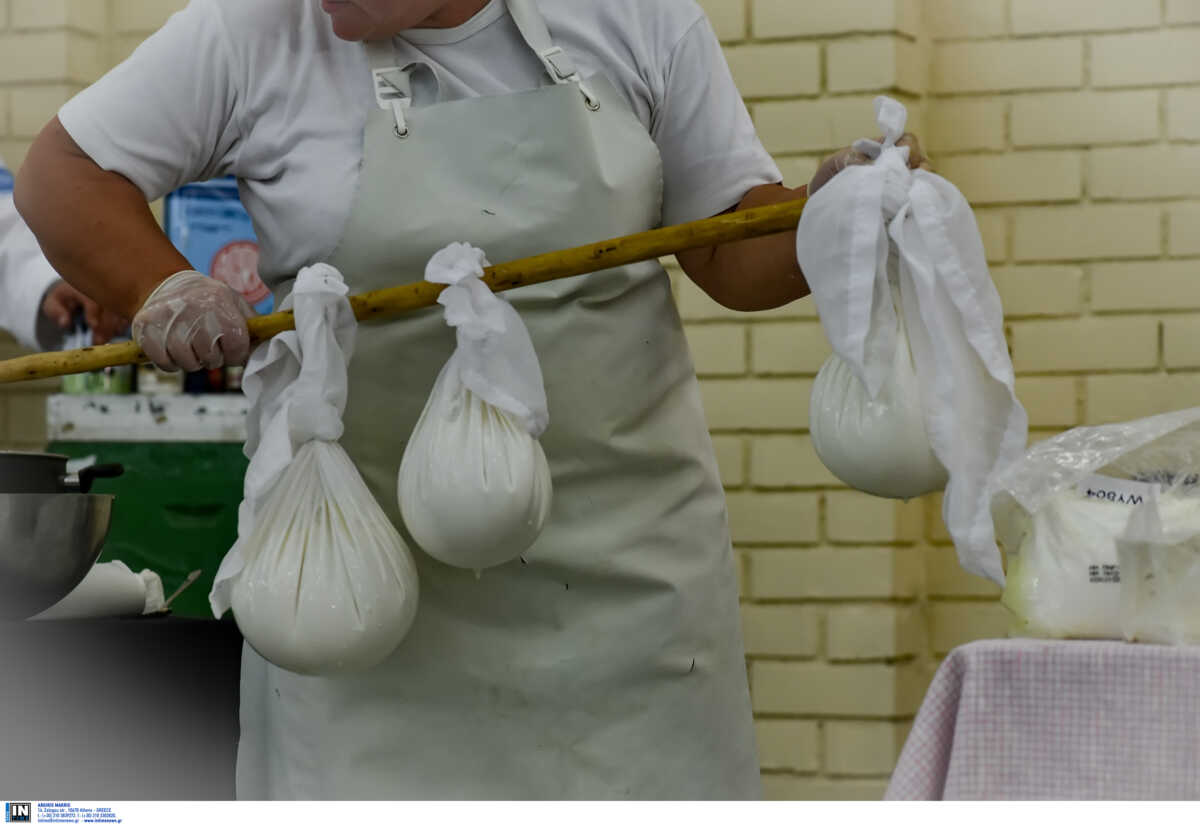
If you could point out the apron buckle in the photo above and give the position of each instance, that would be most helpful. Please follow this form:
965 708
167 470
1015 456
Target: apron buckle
560 66
562 70
393 91
389 85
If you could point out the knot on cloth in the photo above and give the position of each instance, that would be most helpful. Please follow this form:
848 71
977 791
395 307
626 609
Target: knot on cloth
314 419
470 307
890 159
297 382
455 263
495 358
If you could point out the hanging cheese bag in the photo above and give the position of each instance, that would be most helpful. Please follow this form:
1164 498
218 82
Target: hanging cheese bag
875 445
320 581
474 484
893 254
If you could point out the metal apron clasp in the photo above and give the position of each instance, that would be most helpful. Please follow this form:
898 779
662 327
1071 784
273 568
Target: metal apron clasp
395 88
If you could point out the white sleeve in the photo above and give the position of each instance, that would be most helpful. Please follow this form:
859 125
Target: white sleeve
25 274
711 153
166 115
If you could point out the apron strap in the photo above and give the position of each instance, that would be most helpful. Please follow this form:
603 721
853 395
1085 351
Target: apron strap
559 65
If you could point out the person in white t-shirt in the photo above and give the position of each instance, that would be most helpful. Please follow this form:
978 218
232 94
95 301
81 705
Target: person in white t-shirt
37 306
608 662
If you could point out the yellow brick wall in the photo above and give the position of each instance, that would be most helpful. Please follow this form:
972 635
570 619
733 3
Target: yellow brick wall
1074 127
833 614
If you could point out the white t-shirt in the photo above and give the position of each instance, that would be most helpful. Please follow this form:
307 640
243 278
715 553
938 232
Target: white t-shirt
25 275
265 91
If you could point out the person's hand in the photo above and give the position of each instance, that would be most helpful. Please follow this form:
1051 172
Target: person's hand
850 156
62 303
193 322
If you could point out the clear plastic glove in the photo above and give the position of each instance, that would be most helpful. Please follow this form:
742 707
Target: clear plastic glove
852 157
193 322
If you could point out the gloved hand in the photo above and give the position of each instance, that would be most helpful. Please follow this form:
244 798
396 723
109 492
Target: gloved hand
851 157
193 322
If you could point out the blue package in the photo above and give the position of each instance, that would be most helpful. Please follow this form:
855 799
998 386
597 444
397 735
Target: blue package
210 227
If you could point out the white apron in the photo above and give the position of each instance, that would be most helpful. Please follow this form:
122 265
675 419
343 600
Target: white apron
608 663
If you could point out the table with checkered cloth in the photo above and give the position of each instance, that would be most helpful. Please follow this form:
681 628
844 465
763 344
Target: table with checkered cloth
1027 719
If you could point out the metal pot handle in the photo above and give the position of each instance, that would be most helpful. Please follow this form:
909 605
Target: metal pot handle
81 482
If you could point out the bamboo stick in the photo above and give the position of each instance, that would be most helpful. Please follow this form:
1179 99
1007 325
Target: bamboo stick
386 303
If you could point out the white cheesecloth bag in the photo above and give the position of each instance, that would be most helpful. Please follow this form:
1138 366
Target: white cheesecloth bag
875 445
474 484
938 293
320 581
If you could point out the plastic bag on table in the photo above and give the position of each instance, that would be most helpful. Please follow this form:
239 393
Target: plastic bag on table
320 581
474 484
1061 511
1159 555
962 383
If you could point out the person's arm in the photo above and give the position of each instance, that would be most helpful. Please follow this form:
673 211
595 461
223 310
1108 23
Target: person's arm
95 227
165 116
751 275
762 273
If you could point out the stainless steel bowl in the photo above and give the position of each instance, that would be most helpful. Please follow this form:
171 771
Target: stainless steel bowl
48 543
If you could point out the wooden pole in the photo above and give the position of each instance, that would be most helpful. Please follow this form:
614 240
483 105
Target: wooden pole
387 303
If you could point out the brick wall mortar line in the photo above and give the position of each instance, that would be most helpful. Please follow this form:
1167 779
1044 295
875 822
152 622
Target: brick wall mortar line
68 29
995 94
1087 63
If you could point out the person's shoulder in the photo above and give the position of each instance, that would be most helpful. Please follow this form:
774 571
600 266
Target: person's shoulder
666 20
264 19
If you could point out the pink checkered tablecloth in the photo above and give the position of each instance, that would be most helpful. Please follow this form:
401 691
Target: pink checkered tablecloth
1026 719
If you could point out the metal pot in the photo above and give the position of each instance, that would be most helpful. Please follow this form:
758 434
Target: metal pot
47 473
48 543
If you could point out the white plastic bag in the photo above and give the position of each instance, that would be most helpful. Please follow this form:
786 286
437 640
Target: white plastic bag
1062 512
952 314
320 581
474 484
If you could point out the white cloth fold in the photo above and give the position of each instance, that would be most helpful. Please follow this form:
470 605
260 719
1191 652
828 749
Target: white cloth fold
296 384
495 358
110 589
952 312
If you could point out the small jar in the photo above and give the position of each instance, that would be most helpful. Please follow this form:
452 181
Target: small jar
233 379
153 381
